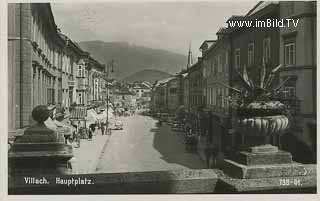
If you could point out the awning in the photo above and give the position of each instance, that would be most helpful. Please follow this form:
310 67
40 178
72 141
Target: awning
78 113
103 115
91 116
64 128
61 128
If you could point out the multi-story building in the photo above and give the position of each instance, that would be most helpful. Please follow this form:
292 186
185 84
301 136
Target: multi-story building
140 89
250 46
89 80
298 55
95 81
43 64
72 54
184 92
124 98
35 61
195 79
173 94
216 62
159 95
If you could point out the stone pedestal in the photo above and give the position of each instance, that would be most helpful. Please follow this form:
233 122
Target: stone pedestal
39 151
262 162
267 163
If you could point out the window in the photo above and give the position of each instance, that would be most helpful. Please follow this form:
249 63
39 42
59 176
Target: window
213 96
80 71
215 66
222 98
237 58
218 97
80 98
290 8
211 68
220 63
204 74
290 54
250 54
226 93
266 49
208 96
226 61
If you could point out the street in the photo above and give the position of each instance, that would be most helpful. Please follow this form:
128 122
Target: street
143 146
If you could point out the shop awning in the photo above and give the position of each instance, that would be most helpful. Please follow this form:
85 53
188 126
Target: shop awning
78 113
91 116
64 127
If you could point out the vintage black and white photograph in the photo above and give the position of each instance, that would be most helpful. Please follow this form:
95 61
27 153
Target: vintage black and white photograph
166 97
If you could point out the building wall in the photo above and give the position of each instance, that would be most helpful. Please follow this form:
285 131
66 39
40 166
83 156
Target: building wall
41 63
242 38
304 68
173 94
81 82
31 56
216 71
186 91
195 76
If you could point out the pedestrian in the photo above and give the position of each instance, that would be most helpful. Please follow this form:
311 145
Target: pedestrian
102 128
91 130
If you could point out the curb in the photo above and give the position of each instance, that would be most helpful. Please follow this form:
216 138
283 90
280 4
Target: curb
96 162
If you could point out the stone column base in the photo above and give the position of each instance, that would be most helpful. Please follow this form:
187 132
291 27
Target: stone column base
264 167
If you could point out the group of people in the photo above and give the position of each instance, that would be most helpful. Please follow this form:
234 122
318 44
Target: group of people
83 133
102 126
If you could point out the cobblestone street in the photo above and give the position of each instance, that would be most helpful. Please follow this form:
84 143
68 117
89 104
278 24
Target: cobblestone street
143 146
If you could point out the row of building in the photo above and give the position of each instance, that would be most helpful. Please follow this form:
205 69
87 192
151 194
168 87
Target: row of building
130 95
45 67
294 47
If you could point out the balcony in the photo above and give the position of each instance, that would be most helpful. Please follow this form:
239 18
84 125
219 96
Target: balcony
81 87
71 83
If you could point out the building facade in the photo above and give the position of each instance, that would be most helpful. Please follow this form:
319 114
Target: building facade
195 75
34 61
173 94
43 64
298 56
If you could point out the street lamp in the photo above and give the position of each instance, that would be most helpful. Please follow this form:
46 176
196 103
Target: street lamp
109 65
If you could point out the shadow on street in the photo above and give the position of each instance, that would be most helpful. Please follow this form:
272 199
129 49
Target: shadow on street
170 145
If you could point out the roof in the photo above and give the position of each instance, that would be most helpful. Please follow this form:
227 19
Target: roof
163 81
236 17
78 113
209 42
195 65
141 86
224 30
259 6
123 92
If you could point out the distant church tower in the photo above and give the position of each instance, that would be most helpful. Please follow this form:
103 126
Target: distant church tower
190 61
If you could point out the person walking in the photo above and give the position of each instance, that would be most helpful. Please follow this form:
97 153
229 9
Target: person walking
102 128
91 130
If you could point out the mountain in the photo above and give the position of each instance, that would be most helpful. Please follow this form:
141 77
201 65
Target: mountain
132 58
146 75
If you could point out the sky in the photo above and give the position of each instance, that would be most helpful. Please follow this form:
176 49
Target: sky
161 25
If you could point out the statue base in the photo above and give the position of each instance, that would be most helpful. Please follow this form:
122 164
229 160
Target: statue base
264 166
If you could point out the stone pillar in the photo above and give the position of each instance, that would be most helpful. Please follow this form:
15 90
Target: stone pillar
26 64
